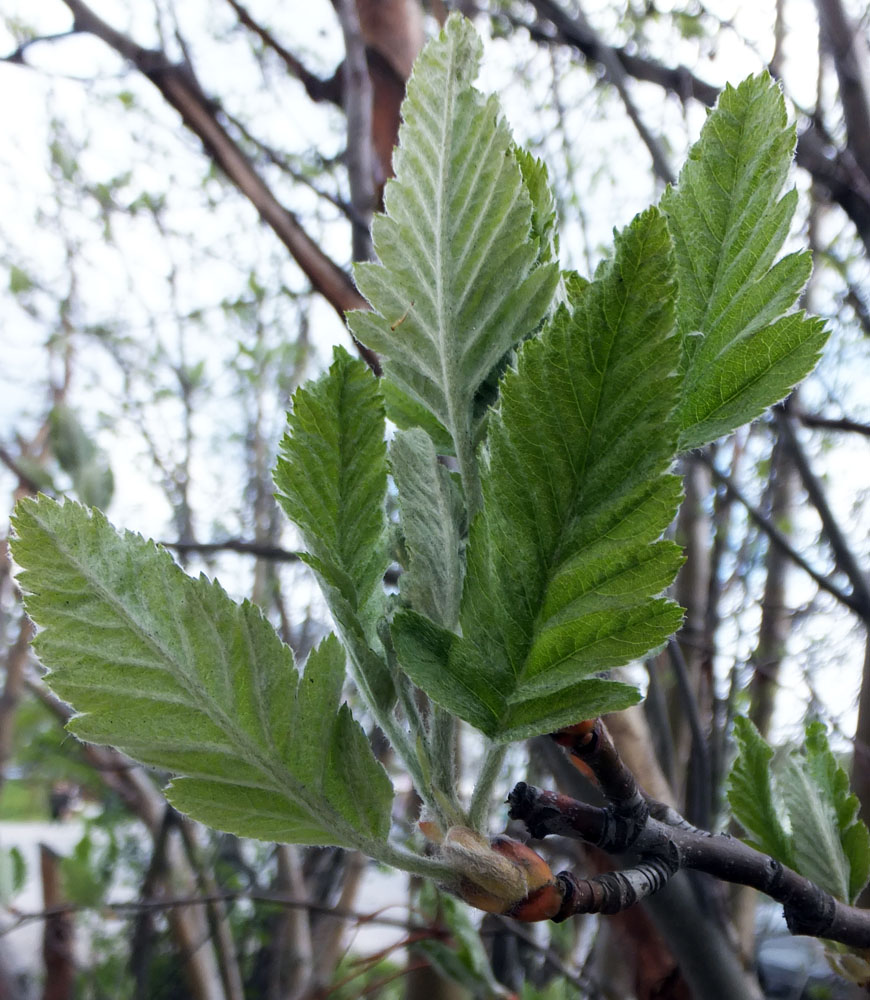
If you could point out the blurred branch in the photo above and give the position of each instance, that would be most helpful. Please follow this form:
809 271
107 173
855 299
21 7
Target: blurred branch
18 55
316 88
835 169
831 423
199 113
359 156
258 549
617 74
844 557
778 539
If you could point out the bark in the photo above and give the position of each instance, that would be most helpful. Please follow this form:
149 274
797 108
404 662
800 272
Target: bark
58 932
693 685
775 621
15 665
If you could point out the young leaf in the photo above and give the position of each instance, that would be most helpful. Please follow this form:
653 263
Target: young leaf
432 522
833 783
750 793
168 669
332 482
818 853
564 562
457 285
743 348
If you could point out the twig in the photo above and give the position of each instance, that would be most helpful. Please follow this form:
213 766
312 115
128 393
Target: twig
317 89
778 539
843 554
358 102
664 844
258 549
832 423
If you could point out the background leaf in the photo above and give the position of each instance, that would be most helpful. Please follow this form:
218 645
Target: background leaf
564 562
457 285
332 483
751 793
729 220
168 669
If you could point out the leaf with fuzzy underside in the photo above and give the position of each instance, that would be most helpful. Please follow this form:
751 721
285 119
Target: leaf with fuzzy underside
459 282
744 348
168 669
565 561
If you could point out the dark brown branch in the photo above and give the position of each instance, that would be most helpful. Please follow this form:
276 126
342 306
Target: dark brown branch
778 539
317 89
258 549
665 848
17 56
832 423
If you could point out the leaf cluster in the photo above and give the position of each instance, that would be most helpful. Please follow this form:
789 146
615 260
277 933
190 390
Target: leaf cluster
539 416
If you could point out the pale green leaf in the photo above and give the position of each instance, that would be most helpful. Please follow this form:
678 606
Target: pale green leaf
168 669
832 783
433 527
458 282
818 853
332 481
751 793
729 219
565 562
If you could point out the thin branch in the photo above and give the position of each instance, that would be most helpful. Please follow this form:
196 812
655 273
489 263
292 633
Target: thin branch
617 75
832 423
702 772
844 557
180 88
17 56
779 539
358 102
316 88
258 549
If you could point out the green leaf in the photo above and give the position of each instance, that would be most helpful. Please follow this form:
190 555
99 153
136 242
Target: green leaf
168 669
751 793
833 784
432 522
743 349
407 414
818 853
544 220
458 284
332 483
566 559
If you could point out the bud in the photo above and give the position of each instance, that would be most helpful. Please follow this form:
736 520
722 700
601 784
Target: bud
502 875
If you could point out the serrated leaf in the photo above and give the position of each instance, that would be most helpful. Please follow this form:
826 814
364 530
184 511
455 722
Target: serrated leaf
168 669
566 559
458 283
332 481
432 523
751 793
832 784
729 220
536 180
818 853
